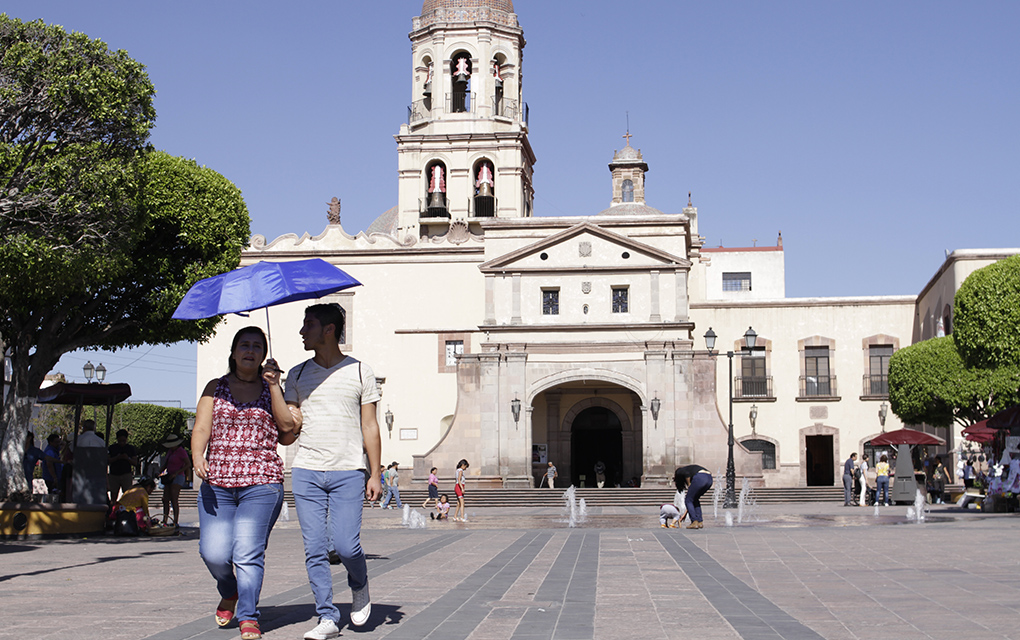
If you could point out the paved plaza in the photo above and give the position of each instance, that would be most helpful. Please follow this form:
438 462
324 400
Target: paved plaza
796 571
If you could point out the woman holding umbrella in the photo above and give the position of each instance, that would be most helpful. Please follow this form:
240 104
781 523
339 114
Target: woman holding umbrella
239 421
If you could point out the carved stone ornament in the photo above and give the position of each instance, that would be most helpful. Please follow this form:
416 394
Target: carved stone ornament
458 233
334 211
585 287
584 250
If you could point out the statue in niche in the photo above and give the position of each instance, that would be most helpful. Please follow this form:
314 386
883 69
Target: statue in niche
436 183
333 215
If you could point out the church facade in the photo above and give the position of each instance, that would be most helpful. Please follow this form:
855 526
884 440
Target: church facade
512 340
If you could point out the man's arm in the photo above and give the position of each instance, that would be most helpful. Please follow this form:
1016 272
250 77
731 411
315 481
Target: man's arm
373 447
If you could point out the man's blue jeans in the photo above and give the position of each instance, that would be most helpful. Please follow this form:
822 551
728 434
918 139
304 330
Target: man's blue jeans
235 526
394 494
341 493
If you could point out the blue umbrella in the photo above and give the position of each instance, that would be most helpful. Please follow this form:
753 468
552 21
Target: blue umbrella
262 284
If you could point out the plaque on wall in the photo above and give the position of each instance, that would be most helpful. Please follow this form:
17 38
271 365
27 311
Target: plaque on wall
408 434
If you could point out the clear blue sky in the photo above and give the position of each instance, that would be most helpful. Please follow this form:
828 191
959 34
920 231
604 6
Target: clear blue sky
874 135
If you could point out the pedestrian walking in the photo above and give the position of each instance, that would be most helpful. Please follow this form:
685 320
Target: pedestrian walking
334 397
240 419
551 475
393 483
433 489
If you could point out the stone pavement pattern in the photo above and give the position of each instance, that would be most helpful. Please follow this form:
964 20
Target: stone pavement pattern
800 571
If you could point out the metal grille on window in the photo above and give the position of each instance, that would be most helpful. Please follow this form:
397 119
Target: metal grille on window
454 348
550 302
620 300
817 381
878 367
736 281
768 451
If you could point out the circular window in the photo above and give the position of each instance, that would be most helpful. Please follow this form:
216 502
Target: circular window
544 256
585 309
626 254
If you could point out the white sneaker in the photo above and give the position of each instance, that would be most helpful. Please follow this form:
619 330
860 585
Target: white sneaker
361 606
325 630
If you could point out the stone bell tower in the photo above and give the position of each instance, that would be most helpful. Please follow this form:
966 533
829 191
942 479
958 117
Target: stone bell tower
463 154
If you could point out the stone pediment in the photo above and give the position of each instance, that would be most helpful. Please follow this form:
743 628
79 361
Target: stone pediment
585 246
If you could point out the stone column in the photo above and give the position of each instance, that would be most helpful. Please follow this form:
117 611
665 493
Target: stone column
681 295
653 283
490 298
516 296
515 452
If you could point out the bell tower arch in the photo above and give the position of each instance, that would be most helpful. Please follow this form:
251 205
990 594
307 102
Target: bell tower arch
464 154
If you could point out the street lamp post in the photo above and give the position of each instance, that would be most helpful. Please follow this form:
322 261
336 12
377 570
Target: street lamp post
730 499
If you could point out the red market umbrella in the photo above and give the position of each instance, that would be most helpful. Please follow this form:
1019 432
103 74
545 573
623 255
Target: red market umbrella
979 432
1005 419
907 436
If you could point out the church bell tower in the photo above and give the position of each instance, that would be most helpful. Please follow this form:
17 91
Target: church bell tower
463 154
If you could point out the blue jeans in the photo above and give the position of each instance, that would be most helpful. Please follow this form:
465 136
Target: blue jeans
700 483
882 489
341 493
848 490
235 526
394 493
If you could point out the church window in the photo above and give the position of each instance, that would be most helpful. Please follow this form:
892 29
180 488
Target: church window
454 348
621 301
736 281
628 191
550 302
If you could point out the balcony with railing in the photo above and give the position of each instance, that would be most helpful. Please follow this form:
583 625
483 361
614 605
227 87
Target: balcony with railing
875 386
419 110
510 109
817 388
460 102
752 388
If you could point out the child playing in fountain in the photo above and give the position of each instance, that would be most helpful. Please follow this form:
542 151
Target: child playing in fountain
669 512
442 511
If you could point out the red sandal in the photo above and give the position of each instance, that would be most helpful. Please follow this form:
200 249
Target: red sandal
250 630
225 611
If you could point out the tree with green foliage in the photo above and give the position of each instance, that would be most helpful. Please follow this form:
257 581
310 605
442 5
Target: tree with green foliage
149 424
986 316
102 236
929 383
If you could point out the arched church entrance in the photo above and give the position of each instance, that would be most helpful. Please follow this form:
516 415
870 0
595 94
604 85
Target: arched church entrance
596 436
586 423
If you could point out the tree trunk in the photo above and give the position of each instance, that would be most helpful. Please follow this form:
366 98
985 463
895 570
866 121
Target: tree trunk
17 413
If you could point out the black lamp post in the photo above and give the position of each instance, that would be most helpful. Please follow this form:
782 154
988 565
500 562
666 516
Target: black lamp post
883 412
389 422
515 409
656 403
89 371
100 373
750 337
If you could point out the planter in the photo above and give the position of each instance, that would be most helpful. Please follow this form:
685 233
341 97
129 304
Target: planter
24 520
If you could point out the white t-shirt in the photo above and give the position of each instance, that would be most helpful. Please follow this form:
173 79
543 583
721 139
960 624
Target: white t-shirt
330 402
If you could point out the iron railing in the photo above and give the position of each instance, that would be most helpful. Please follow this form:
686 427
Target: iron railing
460 102
876 385
506 108
817 386
419 110
752 387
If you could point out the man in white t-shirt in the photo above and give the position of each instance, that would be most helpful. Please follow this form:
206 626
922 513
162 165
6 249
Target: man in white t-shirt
337 397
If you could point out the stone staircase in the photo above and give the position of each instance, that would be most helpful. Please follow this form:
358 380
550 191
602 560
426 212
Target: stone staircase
617 497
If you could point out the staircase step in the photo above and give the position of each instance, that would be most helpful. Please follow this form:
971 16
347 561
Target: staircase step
615 497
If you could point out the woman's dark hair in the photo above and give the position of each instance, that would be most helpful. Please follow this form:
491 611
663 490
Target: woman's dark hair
679 480
237 338
432 470
147 483
463 463
884 458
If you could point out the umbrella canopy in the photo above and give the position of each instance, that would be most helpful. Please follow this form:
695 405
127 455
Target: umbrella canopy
979 432
1005 419
262 284
907 436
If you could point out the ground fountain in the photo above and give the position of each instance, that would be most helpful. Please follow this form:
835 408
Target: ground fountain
917 512
413 519
574 515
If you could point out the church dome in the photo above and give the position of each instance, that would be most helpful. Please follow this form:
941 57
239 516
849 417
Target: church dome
499 5
630 209
627 153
